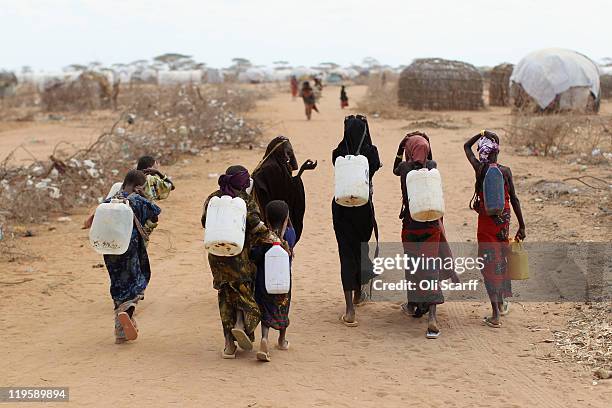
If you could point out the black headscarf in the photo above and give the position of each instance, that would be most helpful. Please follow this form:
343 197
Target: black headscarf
273 180
356 130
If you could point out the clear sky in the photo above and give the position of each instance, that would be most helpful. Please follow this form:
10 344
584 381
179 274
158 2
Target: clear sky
50 34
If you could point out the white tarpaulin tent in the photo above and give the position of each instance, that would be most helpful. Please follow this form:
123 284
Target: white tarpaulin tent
165 78
546 73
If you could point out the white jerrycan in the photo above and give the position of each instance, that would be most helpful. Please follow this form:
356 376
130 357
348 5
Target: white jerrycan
425 197
111 230
225 226
278 270
352 180
114 190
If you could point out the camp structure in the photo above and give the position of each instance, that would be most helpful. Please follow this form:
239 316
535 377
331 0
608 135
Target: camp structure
8 83
555 80
439 84
499 85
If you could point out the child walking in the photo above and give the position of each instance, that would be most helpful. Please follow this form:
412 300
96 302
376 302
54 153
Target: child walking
274 307
344 102
493 230
129 272
234 276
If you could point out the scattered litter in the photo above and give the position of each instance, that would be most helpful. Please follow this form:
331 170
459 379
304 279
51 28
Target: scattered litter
213 175
64 219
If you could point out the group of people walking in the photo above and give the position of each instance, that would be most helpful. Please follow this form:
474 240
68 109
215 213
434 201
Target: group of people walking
276 203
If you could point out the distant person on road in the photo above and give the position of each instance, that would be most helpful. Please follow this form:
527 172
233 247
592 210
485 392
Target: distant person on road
273 179
354 225
234 276
308 96
421 238
344 102
493 230
274 307
129 273
294 87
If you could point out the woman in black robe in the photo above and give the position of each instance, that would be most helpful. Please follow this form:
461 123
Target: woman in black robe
273 180
353 225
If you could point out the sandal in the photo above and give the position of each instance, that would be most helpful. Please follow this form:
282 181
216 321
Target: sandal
243 339
487 321
347 323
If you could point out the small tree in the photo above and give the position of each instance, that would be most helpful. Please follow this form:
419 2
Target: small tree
240 64
174 61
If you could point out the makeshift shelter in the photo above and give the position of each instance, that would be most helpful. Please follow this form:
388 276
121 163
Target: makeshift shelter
499 85
174 78
605 81
555 80
8 83
89 91
438 84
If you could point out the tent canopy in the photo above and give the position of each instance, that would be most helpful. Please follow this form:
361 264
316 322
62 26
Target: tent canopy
546 73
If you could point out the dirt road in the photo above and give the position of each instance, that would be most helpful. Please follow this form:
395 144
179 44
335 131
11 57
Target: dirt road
57 329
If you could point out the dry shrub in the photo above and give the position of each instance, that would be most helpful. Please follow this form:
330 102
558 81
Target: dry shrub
553 135
167 124
90 91
380 99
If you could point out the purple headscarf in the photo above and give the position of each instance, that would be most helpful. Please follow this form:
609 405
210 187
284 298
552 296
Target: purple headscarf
232 183
486 147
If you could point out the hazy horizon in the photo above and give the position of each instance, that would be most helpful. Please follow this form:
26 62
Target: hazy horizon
52 34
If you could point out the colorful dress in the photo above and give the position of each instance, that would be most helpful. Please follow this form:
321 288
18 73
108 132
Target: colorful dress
493 234
130 272
274 308
423 240
234 276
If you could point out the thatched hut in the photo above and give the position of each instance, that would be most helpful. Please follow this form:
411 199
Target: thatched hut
8 83
438 84
555 80
499 85
606 86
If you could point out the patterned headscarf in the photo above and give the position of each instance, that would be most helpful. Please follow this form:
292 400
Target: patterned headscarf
232 183
486 147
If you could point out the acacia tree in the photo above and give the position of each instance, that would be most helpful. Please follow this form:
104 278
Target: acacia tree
174 61
240 64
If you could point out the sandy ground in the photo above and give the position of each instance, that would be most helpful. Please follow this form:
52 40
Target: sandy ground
57 328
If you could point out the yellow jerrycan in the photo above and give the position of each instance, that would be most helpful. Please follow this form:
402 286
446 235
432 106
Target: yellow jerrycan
518 262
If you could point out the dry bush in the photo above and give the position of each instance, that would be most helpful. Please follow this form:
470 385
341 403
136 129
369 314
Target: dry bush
553 135
381 99
167 124
90 91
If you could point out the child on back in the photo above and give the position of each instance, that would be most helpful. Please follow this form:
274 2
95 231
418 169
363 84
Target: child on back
234 276
274 307
129 273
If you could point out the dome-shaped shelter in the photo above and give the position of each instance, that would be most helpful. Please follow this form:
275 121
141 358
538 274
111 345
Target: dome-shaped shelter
8 83
555 80
499 85
438 84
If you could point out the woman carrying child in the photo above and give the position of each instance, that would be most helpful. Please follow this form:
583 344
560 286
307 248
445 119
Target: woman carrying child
234 276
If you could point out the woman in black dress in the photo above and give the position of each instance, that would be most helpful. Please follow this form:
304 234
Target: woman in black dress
353 225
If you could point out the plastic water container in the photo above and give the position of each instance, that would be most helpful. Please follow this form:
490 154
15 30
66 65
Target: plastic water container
225 226
352 179
111 230
493 190
425 197
278 270
518 261
114 190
